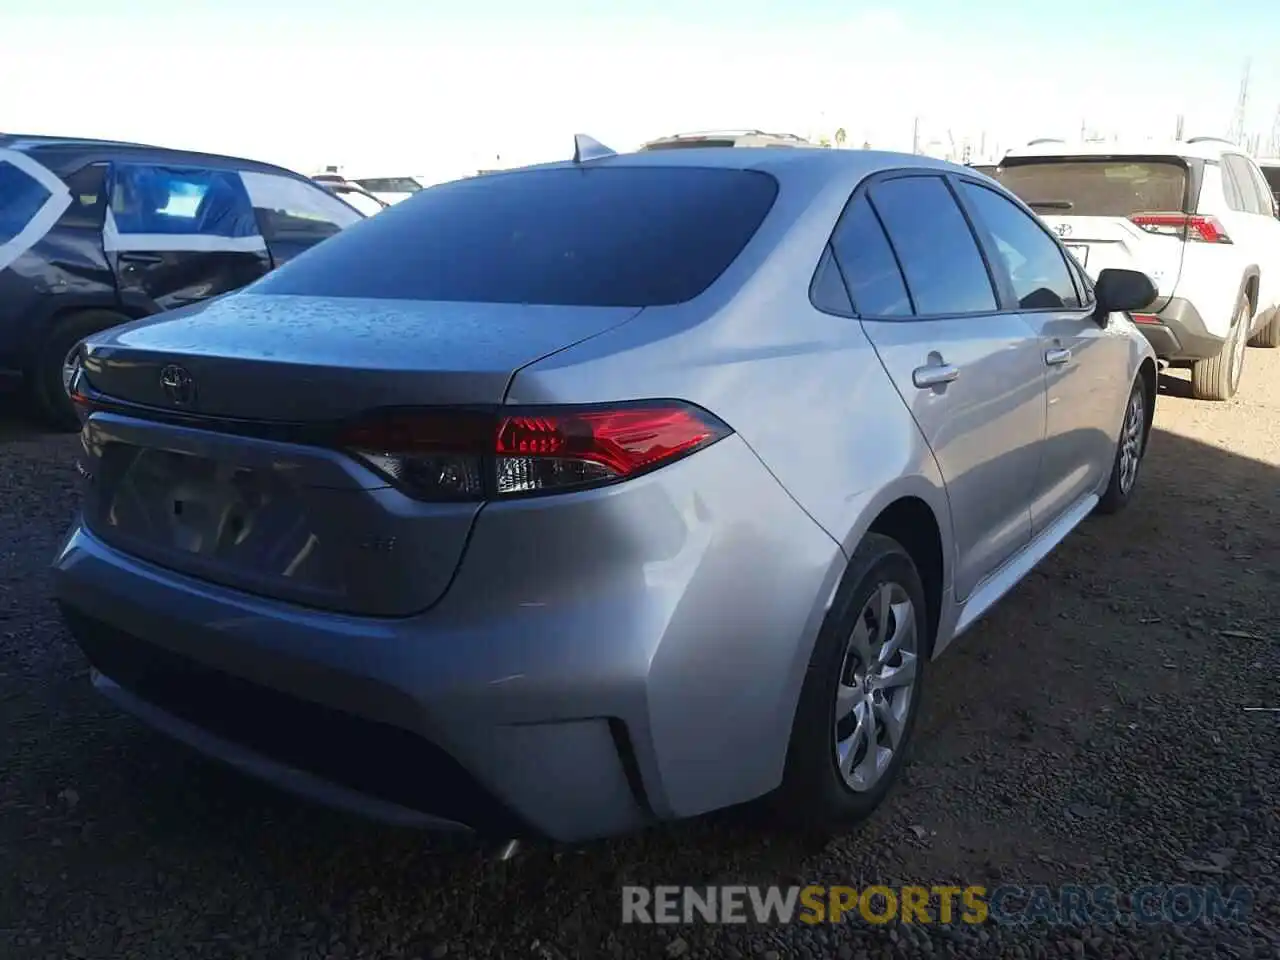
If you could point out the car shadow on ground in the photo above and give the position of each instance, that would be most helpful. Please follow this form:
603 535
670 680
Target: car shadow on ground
1016 730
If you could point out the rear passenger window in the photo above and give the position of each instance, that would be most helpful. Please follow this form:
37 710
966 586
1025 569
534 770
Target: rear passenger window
290 209
1034 262
944 270
1250 196
870 269
180 201
88 198
827 291
21 197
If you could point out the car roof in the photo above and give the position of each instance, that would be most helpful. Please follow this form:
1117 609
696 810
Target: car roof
62 154
1207 149
803 163
1268 161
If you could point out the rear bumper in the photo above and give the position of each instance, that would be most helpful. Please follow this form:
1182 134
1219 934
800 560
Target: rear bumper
646 667
1179 333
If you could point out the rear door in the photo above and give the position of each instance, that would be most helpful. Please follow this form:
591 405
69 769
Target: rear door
176 235
971 373
1110 211
1086 365
1252 225
294 215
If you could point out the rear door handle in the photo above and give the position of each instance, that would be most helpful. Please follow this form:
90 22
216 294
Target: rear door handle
141 258
1057 356
934 375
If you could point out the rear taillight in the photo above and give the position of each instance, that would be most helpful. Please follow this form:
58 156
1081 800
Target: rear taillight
460 454
1144 318
1203 229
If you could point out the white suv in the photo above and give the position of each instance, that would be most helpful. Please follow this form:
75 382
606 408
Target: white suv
1196 216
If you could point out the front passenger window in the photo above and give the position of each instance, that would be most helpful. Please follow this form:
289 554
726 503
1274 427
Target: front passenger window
1034 262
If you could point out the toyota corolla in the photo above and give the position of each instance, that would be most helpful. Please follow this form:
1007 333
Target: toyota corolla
580 497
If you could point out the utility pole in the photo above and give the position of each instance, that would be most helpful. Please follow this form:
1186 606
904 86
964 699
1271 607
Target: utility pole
1273 148
1238 119
1178 131
915 135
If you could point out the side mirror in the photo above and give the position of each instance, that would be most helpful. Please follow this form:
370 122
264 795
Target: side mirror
1122 290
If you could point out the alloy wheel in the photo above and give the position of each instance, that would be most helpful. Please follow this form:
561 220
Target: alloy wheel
877 681
1131 441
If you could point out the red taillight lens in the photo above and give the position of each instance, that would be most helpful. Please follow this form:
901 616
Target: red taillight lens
446 454
1144 318
1203 229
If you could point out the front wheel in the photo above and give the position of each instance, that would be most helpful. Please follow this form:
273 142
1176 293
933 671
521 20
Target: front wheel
1129 451
858 706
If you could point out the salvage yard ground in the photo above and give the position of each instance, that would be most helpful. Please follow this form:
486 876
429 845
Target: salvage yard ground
1092 730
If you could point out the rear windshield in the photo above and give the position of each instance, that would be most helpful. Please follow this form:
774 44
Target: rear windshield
390 185
595 236
685 144
1103 187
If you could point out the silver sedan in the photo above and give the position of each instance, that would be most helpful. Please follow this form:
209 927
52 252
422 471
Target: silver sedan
574 498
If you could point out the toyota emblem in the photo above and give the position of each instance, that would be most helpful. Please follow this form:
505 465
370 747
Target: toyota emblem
178 385
1063 229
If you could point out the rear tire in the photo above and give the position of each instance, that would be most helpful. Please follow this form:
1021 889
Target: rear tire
842 701
1268 336
1218 378
48 391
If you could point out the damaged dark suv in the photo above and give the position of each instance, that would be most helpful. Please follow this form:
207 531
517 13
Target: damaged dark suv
94 234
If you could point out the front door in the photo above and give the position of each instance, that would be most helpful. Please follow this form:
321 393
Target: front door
177 235
1086 364
971 375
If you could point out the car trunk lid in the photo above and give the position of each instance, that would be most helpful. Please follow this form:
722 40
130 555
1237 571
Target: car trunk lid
235 476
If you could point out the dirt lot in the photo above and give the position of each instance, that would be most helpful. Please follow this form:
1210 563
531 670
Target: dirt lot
1092 730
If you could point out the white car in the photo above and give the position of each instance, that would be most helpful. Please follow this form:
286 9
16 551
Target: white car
1197 216
390 189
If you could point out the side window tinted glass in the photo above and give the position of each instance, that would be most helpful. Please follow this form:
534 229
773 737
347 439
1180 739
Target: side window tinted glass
180 201
1246 199
939 256
870 270
1265 196
291 209
828 291
88 198
1230 192
1034 262
21 198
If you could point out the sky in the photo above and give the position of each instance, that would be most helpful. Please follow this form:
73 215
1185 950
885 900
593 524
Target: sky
385 87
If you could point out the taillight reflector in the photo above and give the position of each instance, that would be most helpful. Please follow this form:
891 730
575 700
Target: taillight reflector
1204 229
443 454
1144 318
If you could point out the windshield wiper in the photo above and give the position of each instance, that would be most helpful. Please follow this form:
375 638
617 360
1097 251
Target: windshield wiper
1050 204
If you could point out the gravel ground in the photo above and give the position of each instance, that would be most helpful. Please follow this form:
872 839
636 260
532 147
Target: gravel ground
1092 730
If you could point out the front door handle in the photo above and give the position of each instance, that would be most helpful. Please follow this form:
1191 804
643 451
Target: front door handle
934 375
1057 356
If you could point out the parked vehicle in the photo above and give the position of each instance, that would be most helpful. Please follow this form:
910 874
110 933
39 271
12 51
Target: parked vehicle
390 189
1197 216
986 169
351 193
93 234
1270 167
572 498
727 138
